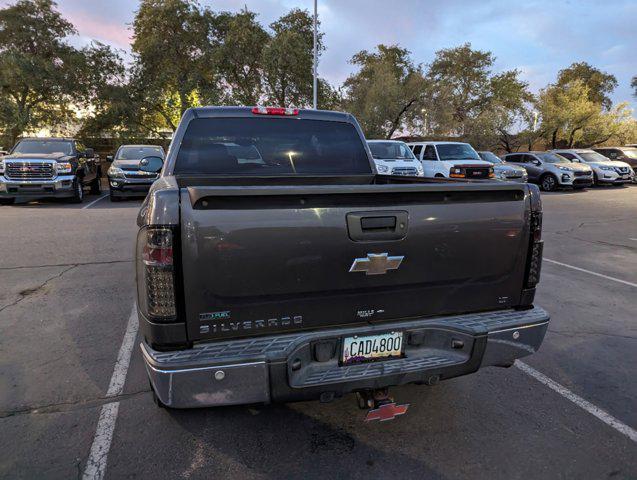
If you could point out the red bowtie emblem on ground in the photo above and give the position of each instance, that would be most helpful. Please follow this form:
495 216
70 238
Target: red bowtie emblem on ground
389 411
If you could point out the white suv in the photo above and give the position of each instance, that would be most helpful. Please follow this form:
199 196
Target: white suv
605 170
451 160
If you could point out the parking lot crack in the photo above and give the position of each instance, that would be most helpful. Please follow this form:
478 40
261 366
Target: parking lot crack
583 332
76 264
64 407
571 233
598 242
26 293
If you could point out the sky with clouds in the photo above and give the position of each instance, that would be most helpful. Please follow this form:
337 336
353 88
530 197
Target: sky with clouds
538 37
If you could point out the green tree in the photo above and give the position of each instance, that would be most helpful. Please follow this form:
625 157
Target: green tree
239 56
44 80
287 60
508 108
467 99
174 43
122 110
570 118
616 126
385 92
461 86
600 84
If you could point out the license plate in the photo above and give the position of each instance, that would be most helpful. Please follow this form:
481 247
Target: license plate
368 348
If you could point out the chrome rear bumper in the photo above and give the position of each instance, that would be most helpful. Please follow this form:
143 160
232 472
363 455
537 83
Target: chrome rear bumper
286 368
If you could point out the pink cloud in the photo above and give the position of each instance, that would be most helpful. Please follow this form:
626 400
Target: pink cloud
114 33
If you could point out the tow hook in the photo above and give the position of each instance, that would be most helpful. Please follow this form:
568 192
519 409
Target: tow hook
379 405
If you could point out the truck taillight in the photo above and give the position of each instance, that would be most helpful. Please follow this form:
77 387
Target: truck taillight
156 273
536 245
275 111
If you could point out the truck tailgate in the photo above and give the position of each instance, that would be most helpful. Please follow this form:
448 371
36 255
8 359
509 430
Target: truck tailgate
259 260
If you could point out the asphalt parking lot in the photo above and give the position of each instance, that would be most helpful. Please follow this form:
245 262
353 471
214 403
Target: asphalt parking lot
66 298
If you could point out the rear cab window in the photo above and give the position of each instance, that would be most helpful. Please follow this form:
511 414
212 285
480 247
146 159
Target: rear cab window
271 146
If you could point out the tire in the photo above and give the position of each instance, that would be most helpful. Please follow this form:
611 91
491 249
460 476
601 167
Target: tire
595 180
112 197
96 187
548 183
78 191
7 201
439 175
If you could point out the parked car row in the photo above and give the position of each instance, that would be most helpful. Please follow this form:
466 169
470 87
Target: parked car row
63 167
605 170
504 170
574 168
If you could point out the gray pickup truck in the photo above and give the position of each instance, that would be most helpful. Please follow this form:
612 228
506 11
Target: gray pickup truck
274 264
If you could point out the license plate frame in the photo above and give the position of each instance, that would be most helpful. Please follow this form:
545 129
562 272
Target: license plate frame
369 358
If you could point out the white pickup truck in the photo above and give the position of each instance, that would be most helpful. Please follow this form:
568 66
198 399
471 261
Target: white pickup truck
393 157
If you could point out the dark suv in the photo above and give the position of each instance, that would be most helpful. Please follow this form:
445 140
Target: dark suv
125 177
49 167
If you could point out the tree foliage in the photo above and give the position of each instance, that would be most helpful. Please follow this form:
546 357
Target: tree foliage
599 84
287 60
467 99
44 80
239 56
385 91
186 55
174 44
575 114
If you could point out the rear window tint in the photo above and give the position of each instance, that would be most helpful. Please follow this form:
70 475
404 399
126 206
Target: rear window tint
137 153
270 146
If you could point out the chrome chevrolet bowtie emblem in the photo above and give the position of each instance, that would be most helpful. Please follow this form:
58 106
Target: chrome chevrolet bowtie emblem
376 264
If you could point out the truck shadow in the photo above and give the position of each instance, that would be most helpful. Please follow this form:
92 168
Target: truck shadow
302 441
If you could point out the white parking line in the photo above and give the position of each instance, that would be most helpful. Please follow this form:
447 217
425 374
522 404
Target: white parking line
96 463
94 201
602 415
607 277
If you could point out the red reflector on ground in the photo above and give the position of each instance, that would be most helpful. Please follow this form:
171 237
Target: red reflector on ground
389 411
275 111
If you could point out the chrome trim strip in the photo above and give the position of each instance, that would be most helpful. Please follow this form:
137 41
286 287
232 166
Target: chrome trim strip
518 328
